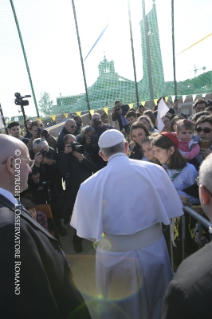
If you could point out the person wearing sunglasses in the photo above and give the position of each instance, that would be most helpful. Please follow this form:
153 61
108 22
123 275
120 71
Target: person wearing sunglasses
203 128
70 127
35 280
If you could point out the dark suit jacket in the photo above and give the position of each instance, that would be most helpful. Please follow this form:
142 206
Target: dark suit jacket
60 143
136 153
46 287
189 294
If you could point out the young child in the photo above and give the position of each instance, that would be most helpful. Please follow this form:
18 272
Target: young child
149 154
189 142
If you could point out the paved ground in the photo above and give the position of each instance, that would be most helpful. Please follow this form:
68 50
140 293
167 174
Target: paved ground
83 269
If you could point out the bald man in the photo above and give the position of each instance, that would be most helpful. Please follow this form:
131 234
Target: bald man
35 278
70 127
189 294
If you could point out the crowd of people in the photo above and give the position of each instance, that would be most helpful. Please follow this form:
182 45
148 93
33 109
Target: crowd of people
122 187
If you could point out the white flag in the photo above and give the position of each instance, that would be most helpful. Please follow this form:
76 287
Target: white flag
160 124
194 97
203 95
162 110
173 98
183 98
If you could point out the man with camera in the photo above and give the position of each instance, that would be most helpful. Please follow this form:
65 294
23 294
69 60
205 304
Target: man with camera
119 112
70 127
99 128
37 131
14 130
79 123
45 184
35 280
76 165
90 142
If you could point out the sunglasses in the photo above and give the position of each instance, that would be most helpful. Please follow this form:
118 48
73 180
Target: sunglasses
72 126
205 129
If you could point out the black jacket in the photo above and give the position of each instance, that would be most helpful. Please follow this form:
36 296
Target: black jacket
49 179
78 171
60 143
46 286
136 153
117 116
92 150
189 294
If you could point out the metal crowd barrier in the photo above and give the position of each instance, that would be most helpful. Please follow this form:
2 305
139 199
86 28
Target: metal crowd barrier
202 222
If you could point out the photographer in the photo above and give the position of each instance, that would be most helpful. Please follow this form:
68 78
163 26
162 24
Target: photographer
79 123
98 125
90 142
37 131
70 127
45 184
76 165
119 112
99 128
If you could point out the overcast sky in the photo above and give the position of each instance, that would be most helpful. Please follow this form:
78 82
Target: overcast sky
49 36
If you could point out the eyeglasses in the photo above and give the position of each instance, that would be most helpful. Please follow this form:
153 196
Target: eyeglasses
205 129
30 162
73 126
197 180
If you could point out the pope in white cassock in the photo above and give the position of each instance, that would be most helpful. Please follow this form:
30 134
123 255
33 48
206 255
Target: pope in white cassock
121 208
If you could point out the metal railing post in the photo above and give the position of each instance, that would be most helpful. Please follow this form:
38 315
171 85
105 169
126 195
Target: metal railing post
183 236
171 249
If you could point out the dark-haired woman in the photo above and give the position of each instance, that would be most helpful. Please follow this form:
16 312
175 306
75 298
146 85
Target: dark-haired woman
183 175
138 132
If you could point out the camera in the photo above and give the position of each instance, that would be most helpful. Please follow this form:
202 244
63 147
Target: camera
117 108
49 154
19 99
77 147
42 133
96 122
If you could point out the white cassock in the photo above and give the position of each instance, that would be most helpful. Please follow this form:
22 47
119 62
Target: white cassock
121 207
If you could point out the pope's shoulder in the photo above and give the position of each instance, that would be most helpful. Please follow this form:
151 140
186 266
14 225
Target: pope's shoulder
124 165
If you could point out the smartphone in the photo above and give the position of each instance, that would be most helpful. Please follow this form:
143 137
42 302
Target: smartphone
205 144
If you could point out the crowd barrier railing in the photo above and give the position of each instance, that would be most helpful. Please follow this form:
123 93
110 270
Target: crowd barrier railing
201 221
